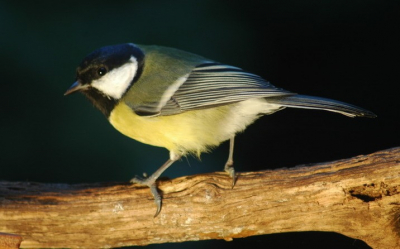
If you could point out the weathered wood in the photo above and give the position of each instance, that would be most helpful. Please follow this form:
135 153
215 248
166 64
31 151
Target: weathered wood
358 197
10 241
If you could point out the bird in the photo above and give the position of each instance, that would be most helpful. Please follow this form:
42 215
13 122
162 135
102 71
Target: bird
183 102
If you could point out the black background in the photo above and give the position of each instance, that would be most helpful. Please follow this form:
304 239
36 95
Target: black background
345 50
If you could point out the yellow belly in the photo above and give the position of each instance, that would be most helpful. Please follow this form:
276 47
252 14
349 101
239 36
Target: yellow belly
192 131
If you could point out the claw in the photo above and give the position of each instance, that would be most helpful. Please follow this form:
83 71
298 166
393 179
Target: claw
151 181
157 199
231 172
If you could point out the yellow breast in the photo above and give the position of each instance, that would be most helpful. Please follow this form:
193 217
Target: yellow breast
192 131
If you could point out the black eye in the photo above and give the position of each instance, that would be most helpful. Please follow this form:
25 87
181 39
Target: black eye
102 71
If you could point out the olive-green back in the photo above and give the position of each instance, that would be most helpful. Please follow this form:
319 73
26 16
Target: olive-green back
162 67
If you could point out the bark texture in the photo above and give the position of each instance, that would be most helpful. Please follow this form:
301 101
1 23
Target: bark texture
10 241
358 197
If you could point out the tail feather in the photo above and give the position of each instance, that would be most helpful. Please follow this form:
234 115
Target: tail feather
311 102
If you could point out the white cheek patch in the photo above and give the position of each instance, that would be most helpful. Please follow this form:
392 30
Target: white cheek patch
115 82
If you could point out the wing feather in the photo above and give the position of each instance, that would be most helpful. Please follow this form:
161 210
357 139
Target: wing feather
214 84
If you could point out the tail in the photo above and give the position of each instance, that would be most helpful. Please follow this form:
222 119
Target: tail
311 102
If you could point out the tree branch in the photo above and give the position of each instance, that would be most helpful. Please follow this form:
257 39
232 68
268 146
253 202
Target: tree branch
10 241
358 197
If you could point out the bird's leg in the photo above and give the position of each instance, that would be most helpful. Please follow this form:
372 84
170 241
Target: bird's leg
229 164
151 180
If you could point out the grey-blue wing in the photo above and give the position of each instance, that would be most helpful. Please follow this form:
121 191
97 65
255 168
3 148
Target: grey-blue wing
214 84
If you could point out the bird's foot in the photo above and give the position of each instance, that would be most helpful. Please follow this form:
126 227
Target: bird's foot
231 171
151 180
151 183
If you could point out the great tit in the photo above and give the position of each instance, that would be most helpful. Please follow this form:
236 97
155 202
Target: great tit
181 101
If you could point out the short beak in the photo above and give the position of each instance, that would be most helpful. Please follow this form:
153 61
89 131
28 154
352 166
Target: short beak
75 87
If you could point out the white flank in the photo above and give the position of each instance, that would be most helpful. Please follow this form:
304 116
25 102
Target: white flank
244 113
115 82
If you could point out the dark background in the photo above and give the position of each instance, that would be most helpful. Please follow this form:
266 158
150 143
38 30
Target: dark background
345 50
